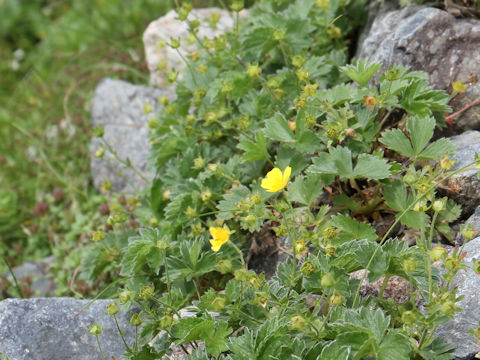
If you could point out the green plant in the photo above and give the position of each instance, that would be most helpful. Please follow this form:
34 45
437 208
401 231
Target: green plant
267 119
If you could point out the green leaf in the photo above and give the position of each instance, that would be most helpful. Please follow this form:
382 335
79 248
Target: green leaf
354 228
227 205
254 150
276 128
396 140
420 131
335 351
361 73
394 346
339 162
306 191
438 150
371 167
216 339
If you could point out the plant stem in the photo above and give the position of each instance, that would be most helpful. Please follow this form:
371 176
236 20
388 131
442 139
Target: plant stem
10 270
121 332
238 251
384 286
100 346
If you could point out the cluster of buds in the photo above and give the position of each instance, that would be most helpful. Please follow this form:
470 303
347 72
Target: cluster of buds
183 11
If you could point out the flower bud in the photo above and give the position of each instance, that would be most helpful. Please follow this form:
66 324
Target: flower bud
298 61
237 5
206 195
124 297
98 131
298 323
172 76
162 65
95 329
278 35
292 125
307 268
97 236
440 205
446 163
336 299
174 43
136 320
302 74
100 152
147 292
198 163
241 275
254 71
190 212
112 309
409 317
327 280
166 322
153 222
224 267
437 253
468 232
202 69
250 220
106 186
153 123
476 266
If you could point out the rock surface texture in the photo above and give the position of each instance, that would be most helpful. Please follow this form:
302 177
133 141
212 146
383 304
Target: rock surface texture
468 284
169 27
120 108
431 40
464 187
47 329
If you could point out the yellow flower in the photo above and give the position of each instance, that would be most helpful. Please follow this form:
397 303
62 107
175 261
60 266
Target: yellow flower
459 86
220 236
275 180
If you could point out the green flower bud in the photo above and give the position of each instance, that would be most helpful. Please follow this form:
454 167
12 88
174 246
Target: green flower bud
206 195
195 23
336 299
100 152
237 5
172 76
307 268
468 232
300 102
174 43
147 292
241 275
166 322
410 178
298 323
250 220
224 267
136 320
437 253
182 14
153 123
302 74
327 280
210 118
198 163
278 35
97 236
227 87
190 212
476 266
163 244
95 329
147 109
124 297
202 69
254 71
439 205
298 61
98 131
112 309
170 109
106 186
161 44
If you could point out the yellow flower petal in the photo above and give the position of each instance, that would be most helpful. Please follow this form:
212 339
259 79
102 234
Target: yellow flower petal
220 236
275 180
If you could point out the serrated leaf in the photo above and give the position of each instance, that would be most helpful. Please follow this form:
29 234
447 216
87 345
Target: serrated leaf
306 191
276 128
394 346
335 351
396 140
438 150
254 150
227 205
371 167
420 131
354 228
339 162
360 72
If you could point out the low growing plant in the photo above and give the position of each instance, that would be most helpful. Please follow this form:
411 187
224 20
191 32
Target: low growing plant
272 133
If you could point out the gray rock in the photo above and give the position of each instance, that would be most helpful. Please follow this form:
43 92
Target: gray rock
167 27
120 108
468 285
36 275
48 329
431 40
464 187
